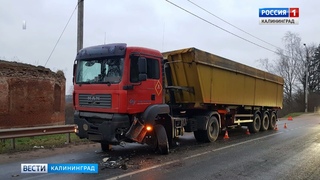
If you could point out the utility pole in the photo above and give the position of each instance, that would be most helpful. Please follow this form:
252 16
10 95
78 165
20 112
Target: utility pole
307 75
80 25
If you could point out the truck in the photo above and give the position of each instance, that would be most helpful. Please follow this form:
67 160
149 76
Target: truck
136 94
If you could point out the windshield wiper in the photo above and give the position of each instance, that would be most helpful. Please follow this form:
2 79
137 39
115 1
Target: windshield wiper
105 82
97 82
83 82
108 83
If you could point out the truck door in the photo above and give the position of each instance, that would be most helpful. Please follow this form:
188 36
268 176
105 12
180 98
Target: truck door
144 93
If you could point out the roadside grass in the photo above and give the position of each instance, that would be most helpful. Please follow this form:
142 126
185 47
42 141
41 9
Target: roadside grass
39 142
295 114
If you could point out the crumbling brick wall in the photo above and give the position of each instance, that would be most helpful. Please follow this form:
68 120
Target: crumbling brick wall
30 95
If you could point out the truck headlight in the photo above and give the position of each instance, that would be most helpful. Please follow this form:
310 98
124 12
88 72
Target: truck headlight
85 127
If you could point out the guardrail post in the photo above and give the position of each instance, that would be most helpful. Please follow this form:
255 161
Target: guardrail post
68 138
13 143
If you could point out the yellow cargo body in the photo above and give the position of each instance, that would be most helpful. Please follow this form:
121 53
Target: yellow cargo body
220 81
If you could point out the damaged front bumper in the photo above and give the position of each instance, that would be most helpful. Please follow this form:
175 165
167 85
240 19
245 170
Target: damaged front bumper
102 127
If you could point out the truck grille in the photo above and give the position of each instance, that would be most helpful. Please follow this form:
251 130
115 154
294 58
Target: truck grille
95 100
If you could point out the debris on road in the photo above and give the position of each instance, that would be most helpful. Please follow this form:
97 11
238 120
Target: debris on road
113 163
105 159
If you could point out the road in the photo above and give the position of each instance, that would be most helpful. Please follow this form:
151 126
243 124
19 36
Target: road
288 153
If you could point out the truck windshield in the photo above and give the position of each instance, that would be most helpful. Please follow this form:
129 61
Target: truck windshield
99 71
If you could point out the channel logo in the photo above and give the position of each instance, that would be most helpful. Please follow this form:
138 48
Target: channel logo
34 168
279 16
59 168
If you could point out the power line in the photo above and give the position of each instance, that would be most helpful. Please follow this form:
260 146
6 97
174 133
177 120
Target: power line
220 27
279 49
243 30
233 25
61 35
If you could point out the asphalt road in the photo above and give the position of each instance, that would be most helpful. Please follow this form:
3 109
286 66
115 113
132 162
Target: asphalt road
288 153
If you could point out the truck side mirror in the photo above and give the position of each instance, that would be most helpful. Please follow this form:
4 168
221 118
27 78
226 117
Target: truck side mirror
74 71
142 65
142 77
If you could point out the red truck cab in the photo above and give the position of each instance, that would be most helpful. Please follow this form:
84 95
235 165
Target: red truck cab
113 83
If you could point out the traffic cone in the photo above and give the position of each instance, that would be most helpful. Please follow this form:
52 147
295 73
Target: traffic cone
276 128
247 132
226 135
290 118
285 125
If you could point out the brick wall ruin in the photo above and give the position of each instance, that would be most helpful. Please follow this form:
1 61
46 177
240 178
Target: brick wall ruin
30 95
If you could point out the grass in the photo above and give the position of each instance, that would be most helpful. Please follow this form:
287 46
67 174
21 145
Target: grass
46 142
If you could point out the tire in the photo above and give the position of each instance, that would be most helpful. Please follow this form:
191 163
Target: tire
212 132
199 135
273 121
254 127
265 122
162 139
105 147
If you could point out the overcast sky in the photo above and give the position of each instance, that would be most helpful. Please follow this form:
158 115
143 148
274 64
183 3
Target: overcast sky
151 23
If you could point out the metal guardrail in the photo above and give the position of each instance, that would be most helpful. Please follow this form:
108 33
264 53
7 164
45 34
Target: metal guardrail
36 131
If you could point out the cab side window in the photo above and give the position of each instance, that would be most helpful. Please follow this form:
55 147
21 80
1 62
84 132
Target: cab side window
153 71
134 69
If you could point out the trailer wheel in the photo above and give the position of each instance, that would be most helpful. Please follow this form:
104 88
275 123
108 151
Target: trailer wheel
105 147
209 135
162 139
265 122
254 127
273 121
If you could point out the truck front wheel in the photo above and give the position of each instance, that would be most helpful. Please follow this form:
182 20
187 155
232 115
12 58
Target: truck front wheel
209 135
162 139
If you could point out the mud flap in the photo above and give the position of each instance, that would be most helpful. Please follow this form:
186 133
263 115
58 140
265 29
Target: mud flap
162 139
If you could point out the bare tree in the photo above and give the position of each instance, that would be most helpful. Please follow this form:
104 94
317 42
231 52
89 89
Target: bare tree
313 65
316 59
290 65
268 66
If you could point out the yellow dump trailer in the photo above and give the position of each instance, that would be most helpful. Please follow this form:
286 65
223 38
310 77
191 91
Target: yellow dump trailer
211 79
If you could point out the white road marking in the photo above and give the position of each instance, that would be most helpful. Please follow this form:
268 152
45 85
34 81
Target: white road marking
189 157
